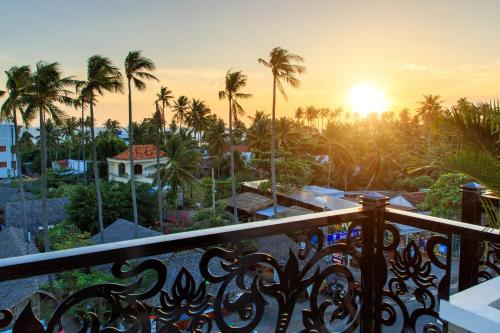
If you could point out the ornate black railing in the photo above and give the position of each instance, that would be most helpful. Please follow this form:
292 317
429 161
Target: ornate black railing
381 287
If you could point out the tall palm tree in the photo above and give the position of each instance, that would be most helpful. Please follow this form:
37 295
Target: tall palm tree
181 107
18 79
160 123
102 76
235 81
216 138
197 117
163 98
68 128
284 70
429 110
112 126
299 114
47 89
137 69
82 99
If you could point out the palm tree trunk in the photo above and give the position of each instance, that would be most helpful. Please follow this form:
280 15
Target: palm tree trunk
273 151
20 175
96 171
131 160
43 182
159 190
83 147
329 165
231 151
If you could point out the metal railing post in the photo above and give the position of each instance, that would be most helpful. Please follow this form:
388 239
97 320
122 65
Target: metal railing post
374 267
470 247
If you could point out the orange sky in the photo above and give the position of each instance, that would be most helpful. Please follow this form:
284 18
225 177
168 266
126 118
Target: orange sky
406 50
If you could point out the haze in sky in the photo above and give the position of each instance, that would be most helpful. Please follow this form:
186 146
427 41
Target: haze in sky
404 49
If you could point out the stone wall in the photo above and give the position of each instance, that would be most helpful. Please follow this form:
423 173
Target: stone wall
56 208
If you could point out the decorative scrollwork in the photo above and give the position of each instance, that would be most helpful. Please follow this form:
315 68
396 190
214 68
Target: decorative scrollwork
413 275
490 261
301 271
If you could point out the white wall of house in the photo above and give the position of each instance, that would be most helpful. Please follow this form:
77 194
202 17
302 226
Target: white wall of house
148 170
7 156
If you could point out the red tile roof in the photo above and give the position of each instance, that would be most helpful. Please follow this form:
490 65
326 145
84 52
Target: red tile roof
63 163
240 148
415 198
141 152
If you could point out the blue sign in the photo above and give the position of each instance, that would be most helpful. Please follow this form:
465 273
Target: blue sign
332 238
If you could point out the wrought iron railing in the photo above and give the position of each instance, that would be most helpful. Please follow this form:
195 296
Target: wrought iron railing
381 287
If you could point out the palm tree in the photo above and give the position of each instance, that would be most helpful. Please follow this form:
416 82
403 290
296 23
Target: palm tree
112 126
181 107
323 113
80 102
47 89
183 161
284 70
137 69
102 76
18 79
310 114
197 117
164 97
69 127
429 110
299 114
160 123
234 82
216 138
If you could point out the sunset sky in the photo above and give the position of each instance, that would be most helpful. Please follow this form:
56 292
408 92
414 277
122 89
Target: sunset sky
403 49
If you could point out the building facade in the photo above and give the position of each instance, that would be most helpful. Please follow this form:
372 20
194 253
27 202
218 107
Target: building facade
144 164
7 156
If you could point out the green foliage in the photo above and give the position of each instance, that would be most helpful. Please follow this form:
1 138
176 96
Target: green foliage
107 145
444 198
413 184
117 203
66 235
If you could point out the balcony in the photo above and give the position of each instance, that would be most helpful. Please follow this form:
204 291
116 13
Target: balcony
379 286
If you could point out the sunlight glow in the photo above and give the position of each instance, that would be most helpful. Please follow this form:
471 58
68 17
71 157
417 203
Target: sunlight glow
365 98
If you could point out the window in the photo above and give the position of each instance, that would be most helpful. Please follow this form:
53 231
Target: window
3 165
138 169
3 148
121 169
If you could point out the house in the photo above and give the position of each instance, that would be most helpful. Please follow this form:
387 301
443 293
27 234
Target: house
15 294
7 156
144 164
248 203
408 201
244 151
71 166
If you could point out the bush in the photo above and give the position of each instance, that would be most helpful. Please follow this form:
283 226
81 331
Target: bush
66 235
413 184
444 198
117 203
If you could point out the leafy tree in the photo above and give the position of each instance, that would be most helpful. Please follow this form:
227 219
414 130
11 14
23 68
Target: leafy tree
284 70
137 69
116 204
413 184
444 198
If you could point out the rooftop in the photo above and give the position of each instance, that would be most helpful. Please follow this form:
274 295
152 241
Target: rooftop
141 152
249 202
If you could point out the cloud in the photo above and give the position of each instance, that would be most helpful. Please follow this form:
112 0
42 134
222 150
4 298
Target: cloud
410 67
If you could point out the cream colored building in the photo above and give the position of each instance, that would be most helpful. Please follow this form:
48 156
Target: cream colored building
144 164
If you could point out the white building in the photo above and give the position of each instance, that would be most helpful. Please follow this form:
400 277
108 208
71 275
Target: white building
7 156
144 164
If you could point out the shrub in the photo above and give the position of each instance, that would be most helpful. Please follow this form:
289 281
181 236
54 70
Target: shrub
444 199
413 184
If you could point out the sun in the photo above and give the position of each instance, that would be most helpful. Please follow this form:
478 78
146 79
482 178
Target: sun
365 99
